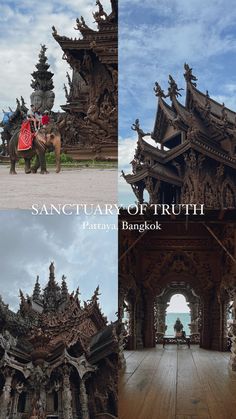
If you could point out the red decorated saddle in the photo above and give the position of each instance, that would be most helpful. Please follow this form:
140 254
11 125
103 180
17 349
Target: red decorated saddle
25 137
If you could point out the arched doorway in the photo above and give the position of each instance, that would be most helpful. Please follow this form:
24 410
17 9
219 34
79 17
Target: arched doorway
177 308
178 299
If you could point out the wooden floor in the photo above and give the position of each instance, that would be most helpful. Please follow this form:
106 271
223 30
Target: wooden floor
177 383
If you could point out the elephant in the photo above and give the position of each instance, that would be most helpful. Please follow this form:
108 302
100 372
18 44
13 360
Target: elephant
46 138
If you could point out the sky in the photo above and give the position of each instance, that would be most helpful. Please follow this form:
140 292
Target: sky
87 258
178 304
24 25
156 38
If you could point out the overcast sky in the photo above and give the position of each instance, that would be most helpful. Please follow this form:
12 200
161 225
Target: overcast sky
156 39
86 257
24 25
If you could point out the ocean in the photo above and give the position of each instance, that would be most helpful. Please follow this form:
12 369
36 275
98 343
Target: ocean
171 319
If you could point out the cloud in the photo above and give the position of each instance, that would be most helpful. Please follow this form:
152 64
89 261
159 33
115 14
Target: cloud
30 243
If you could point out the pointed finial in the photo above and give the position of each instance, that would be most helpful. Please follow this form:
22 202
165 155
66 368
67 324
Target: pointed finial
158 90
54 31
188 75
96 294
51 271
173 90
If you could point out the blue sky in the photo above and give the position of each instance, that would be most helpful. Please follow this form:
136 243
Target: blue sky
156 39
86 257
24 25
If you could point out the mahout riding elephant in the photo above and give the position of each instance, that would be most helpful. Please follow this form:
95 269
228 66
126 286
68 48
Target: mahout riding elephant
46 138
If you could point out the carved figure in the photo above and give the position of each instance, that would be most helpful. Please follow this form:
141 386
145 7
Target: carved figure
188 75
173 89
158 90
136 127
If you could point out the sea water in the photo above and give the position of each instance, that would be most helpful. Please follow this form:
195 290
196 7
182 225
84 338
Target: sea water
171 319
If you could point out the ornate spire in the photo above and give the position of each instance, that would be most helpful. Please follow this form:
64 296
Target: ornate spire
64 288
42 77
52 272
52 292
37 290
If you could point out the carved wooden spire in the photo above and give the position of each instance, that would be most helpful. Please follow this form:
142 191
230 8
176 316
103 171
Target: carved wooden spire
42 78
37 290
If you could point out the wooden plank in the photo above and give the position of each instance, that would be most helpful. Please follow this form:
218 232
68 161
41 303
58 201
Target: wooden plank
177 383
218 386
190 398
150 391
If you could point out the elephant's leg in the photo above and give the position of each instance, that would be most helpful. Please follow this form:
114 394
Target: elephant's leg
36 164
58 158
56 141
42 161
13 167
27 165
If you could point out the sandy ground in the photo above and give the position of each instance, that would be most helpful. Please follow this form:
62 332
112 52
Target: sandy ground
90 186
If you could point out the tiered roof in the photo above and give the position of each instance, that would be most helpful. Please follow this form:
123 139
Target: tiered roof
51 322
103 42
202 124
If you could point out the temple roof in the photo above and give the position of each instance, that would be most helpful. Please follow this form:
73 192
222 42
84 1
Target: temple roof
200 113
215 107
103 42
52 319
202 124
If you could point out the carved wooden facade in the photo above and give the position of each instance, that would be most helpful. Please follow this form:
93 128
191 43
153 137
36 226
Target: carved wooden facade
195 157
58 359
91 108
196 258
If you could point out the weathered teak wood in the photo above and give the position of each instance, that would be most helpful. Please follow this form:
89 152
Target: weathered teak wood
177 383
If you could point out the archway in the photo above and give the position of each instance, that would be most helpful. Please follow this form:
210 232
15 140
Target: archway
177 308
186 305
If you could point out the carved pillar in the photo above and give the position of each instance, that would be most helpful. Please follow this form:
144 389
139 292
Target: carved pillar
205 333
139 324
15 404
67 395
43 399
194 315
149 333
18 391
132 324
161 317
83 401
6 395
232 361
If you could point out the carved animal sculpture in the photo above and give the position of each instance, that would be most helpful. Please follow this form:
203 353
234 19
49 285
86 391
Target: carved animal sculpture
43 141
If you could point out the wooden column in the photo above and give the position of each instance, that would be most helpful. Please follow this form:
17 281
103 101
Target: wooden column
83 401
149 335
6 394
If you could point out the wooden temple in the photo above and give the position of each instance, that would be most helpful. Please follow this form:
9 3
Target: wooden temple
58 358
193 256
194 160
92 91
